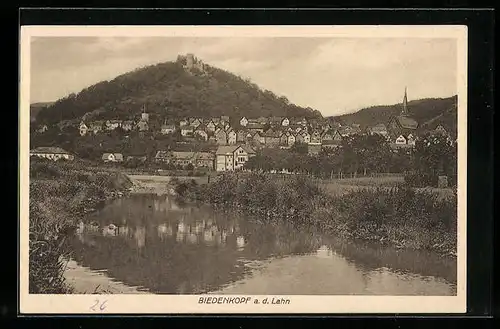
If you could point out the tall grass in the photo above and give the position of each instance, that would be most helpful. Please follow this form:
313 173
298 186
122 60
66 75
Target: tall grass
58 194
400 215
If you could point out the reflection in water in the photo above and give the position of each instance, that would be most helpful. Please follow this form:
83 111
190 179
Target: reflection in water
195 249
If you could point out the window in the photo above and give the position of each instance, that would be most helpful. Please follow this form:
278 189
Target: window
241 159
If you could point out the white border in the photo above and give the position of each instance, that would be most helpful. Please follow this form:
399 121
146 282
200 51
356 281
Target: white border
182 304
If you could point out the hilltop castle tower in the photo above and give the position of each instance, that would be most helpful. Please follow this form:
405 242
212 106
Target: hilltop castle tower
189 61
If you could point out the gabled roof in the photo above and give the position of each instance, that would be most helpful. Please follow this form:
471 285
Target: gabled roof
118 156
407 122
229 149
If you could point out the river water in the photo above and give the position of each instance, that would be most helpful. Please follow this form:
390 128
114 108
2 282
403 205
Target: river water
152 244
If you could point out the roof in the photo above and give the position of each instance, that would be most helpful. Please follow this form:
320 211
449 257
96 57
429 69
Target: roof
188 127
229 149
118 156
167 126
204 156
162 154
407 122
49 150
182 155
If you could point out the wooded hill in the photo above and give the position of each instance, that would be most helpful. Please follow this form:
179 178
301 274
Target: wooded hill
170 90
428 112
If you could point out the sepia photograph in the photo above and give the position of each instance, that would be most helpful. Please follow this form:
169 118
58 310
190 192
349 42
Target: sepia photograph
243 169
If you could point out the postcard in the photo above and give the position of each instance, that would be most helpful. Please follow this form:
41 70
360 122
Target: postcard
243 169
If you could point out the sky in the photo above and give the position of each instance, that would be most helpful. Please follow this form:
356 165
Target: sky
332 75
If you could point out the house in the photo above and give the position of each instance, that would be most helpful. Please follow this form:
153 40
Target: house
200 131
113 124
142 125
167 129
42 129
221 137
285 122
138 158
83 128
307 137
299 138
272 138
253 127
346 131
379 129
232 157
96 126
291 139
284 139
182 158
52 153
187 131
224 118
315 137
328 135
244 121
112 157
241 136
212 138
253 120
275 120
183 122
205 160
262 120
162 156
410 140
337 137
231 136
258 138
210 126
195 122
128 125
440 130
400 140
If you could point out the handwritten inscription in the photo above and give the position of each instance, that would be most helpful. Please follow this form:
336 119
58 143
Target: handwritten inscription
98 305
243 300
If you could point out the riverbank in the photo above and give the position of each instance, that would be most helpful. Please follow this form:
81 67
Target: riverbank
400 216
61 193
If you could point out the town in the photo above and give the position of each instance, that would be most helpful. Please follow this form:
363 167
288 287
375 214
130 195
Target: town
235 141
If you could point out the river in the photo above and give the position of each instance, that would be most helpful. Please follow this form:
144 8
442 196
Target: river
148 243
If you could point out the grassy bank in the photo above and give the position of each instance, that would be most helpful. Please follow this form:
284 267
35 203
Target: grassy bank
398 216
60 194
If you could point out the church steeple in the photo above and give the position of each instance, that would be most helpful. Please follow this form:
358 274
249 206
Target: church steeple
404 110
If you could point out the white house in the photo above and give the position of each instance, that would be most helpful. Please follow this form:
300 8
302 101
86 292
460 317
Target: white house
52 153
187 131
285 122
400 140
244 122
83 129
112 157
232 157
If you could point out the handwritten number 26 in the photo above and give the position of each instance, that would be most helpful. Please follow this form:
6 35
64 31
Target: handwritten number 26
102 306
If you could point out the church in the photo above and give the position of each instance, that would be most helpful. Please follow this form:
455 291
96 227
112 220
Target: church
402 128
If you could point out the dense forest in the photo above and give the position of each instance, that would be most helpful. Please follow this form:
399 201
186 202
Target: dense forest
428 112
169 90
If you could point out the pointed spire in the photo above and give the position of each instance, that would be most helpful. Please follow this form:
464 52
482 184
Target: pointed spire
404 111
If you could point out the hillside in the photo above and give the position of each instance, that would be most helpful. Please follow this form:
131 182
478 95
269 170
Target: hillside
35 108
428 112
169 90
